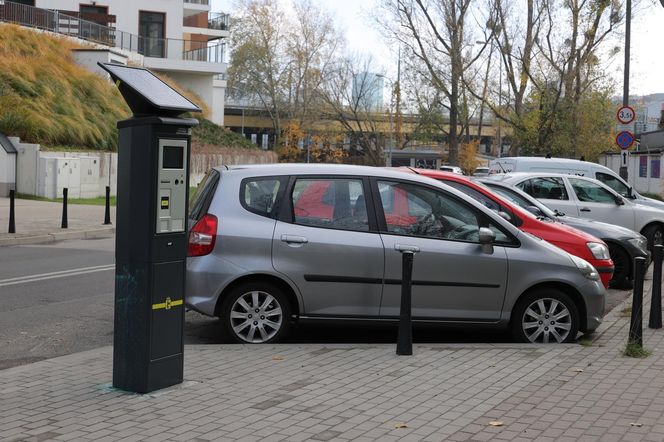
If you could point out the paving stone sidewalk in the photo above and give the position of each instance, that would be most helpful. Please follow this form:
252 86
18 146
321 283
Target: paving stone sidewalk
40 221
354 392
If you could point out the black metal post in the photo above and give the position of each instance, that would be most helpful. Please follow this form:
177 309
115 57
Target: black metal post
636 322
107 213
655 320
12 221
405 337
64 208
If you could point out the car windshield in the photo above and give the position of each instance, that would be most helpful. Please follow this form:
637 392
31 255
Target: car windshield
522 200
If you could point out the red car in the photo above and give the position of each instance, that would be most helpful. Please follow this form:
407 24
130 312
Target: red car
573 241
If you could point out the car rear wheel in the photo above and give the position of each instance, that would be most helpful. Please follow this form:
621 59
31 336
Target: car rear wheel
654 234
621 275
545 316
256 313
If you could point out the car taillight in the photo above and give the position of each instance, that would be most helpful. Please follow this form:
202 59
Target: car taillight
203 236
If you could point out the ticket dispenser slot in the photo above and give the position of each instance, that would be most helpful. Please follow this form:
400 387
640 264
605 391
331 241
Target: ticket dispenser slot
172 194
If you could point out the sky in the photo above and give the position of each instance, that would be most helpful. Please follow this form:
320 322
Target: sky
647 55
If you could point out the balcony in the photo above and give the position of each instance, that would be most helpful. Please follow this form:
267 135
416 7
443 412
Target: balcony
208 20
219 21
198 2
65 24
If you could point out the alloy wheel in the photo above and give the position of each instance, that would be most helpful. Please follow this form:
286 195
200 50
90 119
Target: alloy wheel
256 317
546 320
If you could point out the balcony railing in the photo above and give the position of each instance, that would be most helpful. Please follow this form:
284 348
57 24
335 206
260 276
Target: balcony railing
219 21
198 2
64 24
212 20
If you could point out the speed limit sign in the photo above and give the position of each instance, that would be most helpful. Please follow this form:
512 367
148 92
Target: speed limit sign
626 114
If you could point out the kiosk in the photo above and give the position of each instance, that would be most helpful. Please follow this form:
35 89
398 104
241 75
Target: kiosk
151 232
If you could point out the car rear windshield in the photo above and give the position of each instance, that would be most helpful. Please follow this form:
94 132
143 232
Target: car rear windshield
200 201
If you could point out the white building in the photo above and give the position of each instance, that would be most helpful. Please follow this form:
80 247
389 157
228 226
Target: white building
180 38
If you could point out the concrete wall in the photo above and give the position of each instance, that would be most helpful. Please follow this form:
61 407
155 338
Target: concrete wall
46 173
7 172
88 58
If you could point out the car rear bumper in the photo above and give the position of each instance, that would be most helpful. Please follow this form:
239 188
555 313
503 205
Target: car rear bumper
594 295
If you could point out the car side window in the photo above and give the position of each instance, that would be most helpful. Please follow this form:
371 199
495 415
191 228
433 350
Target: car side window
613 183
485 200
337 203
259 195
589 192
420 211
552 188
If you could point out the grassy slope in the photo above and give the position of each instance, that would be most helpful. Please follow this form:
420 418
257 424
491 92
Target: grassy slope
46 98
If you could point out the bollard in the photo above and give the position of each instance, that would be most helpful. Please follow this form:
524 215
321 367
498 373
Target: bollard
107 213
12 221
64 208
405 336
636 322
655 320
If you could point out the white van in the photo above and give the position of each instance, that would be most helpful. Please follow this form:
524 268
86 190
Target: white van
572 167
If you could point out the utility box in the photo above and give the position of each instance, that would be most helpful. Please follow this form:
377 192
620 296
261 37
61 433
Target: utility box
151 232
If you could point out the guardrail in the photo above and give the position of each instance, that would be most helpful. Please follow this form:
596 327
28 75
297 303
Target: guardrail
64 24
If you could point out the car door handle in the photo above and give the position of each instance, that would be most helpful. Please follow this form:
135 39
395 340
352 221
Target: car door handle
294 239
584 209
406 248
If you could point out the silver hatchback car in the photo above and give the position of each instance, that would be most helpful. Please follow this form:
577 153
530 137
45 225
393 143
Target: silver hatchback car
272 244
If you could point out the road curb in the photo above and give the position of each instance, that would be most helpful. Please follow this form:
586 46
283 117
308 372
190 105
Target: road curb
46 238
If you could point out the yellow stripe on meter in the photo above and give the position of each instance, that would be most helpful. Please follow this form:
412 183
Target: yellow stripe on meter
167 304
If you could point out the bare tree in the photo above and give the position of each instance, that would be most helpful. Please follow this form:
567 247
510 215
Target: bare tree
348 96
437 41
280 61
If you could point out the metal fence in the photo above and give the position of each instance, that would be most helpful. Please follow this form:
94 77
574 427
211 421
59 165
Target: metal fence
62 23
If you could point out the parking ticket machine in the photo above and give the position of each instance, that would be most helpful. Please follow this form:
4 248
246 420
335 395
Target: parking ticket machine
151 232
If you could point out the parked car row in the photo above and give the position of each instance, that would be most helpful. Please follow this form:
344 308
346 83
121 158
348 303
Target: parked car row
273 244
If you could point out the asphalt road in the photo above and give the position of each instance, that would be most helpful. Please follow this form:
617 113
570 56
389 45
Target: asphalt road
57 299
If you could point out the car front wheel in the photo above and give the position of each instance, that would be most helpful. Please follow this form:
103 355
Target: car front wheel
255 313
545 316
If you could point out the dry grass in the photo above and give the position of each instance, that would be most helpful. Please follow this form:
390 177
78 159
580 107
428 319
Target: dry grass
46 98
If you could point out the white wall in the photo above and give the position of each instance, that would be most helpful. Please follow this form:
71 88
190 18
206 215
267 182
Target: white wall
126 12
641 184
218 102
27 165
7 172
88 58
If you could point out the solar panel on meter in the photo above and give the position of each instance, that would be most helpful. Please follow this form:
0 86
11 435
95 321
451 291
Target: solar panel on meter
152 90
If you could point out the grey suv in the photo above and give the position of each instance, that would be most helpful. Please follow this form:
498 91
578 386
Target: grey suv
276 243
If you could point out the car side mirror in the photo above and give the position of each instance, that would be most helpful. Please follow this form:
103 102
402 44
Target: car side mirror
535 210
619 200
487 237
630 193
504 215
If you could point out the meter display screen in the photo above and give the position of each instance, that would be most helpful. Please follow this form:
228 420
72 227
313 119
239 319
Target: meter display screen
173 157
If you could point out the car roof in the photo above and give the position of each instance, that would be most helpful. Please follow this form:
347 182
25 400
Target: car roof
322 169
351 170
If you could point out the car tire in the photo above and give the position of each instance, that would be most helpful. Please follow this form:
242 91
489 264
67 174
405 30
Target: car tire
622 274
532 312
255 313
654 234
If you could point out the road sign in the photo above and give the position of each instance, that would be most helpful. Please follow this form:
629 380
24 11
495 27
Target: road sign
625 156
625 140
626 114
